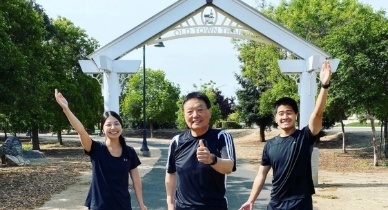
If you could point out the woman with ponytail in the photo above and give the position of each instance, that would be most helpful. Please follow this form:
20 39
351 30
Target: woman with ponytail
112 162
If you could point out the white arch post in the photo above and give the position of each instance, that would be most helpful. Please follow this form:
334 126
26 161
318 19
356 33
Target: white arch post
111 69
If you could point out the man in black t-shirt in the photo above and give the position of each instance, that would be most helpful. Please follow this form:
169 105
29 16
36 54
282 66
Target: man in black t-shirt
289 154
198 160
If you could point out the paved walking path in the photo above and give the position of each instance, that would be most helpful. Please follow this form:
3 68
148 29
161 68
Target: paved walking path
152 171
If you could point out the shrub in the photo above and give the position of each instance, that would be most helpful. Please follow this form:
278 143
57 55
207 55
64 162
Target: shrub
230 125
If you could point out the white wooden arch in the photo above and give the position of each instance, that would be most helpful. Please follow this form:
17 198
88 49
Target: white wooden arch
181 15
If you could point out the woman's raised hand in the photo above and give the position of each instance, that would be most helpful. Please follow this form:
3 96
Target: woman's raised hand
61 100
325 73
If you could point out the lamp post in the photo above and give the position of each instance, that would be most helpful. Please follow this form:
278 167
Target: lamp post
144 151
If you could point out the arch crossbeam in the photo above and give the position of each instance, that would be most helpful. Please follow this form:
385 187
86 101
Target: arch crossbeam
238 15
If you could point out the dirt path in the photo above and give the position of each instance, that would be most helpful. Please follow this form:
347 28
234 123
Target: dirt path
354 191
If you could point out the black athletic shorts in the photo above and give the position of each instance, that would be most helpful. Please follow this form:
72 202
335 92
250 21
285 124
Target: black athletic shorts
180 207
297 204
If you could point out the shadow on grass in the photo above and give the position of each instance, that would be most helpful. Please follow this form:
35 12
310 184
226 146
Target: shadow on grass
354 140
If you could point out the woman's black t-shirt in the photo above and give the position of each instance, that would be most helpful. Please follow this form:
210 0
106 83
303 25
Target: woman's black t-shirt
109 185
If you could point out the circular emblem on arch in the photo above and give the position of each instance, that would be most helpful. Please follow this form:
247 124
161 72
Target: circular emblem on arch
209 16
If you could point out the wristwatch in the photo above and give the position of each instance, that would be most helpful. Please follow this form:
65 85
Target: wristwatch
214 159
325 86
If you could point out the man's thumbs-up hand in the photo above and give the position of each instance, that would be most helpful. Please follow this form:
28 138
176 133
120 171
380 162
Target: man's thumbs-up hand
200 143
203 153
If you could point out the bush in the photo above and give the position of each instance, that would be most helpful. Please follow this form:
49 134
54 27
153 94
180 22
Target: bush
230 125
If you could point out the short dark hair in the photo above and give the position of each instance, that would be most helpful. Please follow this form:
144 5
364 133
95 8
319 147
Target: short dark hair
288 102
199 95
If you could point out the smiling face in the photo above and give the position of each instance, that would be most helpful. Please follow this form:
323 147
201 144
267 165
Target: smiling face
112 128
285 118
197 116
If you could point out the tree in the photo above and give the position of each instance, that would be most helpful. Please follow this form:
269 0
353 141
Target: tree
38 63
67 46
248 107
26 73
10 54
161 97
226 104
363 51
262 83
337 110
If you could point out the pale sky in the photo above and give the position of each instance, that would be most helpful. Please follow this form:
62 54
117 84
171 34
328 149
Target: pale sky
186 61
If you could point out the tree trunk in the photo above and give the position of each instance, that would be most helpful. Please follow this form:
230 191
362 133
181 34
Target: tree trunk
381 139
262 133
343 137
59 137
386 138
2 156
374 143
35 138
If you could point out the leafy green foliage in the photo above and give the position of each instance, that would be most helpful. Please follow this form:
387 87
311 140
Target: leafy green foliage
261 83
161 97
180 121
22 36
41 55
348 30
69 45
357 35
230 125
354 33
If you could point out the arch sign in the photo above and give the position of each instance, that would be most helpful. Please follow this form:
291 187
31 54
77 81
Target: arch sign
189 18
211 21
